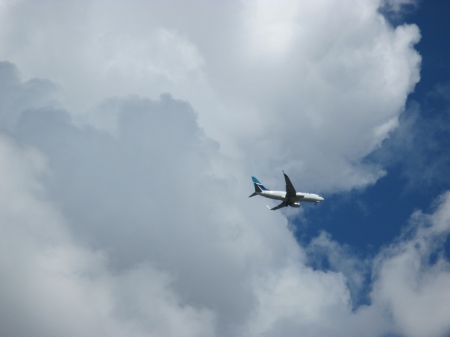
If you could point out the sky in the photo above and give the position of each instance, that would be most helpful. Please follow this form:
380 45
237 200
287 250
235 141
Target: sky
129 132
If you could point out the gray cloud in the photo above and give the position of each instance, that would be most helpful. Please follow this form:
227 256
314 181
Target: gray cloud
67 182
17 96
145 195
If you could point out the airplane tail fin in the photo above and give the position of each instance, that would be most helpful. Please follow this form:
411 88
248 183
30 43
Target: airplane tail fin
257 183
258 187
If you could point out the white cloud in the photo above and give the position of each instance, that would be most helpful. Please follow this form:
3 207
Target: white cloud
326 254
82 223
414 290
278 84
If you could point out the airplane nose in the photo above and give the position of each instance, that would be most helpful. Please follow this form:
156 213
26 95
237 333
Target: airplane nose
321 199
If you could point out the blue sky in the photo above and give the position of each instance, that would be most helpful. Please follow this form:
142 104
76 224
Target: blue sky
129 131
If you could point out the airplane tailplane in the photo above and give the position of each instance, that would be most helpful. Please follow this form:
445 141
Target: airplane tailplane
257 190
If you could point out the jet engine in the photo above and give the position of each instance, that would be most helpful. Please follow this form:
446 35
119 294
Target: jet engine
295 204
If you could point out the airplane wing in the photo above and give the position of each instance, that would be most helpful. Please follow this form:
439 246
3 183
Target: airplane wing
283 204
290 190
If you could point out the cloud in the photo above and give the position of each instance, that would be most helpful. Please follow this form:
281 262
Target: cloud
413 275
272 83
82 222
326 254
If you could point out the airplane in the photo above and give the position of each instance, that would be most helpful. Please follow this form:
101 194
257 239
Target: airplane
290 198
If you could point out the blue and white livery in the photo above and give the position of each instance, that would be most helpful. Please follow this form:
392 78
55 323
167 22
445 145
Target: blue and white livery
289 198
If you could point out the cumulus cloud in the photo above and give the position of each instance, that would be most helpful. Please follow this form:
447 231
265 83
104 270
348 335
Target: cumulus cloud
413 275
124 169
272 82
82 223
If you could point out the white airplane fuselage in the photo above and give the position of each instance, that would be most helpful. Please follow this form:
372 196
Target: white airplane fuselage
299 196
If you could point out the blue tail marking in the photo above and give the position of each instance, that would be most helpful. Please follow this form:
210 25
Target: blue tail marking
256 181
